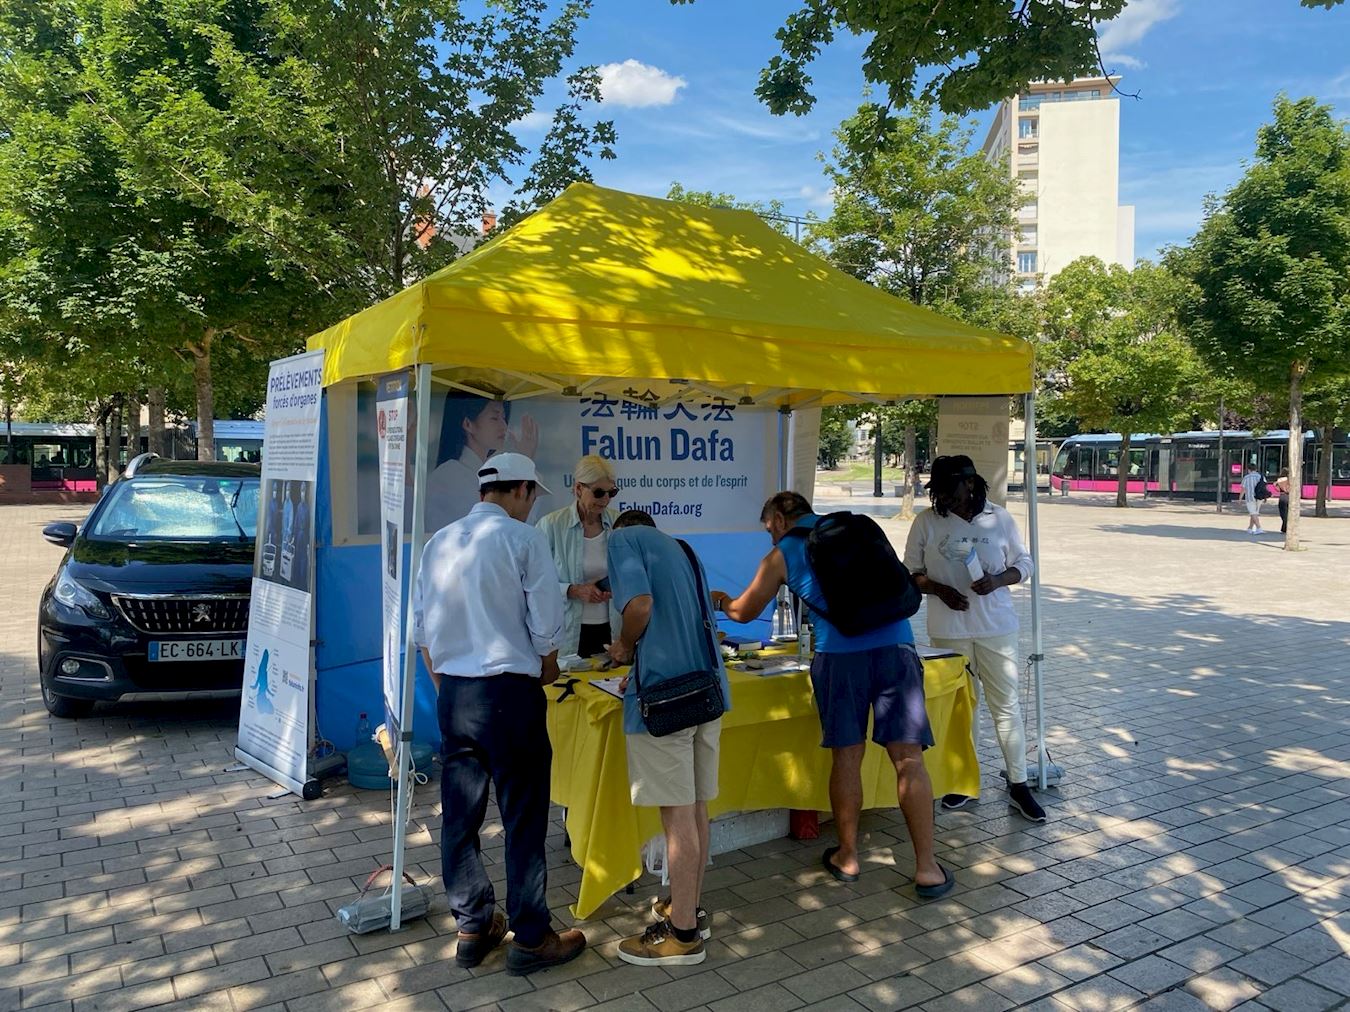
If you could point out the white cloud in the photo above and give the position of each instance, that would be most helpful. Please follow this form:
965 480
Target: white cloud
1112 60
1130 27
533 121
637 85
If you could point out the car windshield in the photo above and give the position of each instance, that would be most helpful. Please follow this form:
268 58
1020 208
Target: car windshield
167 508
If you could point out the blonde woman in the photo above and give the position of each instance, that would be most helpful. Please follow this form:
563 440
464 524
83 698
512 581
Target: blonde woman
578 535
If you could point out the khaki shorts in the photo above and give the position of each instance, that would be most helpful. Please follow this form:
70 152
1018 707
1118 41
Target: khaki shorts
678 769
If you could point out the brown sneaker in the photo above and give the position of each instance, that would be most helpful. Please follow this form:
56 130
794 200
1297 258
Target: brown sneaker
661 910
658 946
554 950
474 948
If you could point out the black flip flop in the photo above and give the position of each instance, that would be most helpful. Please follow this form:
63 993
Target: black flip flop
933 892
839 874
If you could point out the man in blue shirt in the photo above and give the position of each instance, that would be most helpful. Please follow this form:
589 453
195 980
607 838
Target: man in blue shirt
667 632
877 671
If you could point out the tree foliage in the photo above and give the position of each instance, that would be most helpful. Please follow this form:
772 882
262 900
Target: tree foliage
186 185
1112 356
915 213
968 55
1268 297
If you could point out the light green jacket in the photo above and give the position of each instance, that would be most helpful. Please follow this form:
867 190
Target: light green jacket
565 539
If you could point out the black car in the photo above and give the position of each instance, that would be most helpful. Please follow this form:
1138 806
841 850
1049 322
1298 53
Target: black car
153 593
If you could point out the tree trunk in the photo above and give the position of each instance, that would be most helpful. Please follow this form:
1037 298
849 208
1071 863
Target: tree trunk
154 401
907 510
115 439
206 397
101 444
877 457
1323 473
131 416
1296 372
1123 470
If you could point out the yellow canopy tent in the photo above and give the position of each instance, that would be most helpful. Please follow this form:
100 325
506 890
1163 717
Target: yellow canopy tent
611 286
602 290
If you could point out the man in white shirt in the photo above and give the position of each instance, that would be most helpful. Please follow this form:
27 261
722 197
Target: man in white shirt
1250 481
488 618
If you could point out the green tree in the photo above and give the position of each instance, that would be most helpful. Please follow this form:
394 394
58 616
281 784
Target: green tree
969 54
1112 352
836 438
1269 271
358 142
917 215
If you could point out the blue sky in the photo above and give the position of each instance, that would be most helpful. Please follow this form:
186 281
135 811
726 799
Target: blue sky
1206 72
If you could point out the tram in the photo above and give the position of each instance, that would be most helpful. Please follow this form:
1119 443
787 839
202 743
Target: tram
61 456
1189 465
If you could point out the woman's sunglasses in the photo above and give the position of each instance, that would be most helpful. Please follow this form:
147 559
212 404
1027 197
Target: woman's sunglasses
604 493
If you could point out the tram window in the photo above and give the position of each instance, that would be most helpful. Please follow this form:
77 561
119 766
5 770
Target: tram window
1272 459
1137 463
1083 460
1340 465
1108 463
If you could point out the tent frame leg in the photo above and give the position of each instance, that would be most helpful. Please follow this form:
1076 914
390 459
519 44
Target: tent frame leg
405 720
1037 658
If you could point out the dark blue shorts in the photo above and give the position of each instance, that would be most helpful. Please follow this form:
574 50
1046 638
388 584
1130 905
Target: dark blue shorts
887 681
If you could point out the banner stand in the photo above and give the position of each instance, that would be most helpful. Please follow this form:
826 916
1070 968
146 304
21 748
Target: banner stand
276 707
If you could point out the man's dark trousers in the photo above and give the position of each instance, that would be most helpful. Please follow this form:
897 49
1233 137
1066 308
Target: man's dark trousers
495 728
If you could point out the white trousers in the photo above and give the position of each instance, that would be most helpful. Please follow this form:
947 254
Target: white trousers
993 659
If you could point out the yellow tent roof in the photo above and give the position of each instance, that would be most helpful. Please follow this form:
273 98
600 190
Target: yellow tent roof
603 289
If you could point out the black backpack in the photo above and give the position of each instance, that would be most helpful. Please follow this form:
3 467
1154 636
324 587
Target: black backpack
864 583
1262 490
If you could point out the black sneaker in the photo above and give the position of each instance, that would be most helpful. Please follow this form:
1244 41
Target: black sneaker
1019 797
951 802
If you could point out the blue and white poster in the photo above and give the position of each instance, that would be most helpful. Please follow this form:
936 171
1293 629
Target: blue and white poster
697 466
391 427
274 730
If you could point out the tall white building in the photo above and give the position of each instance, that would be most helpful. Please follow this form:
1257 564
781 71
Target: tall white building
1061 141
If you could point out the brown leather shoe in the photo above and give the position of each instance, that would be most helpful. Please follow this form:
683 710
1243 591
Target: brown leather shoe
554 950
474 948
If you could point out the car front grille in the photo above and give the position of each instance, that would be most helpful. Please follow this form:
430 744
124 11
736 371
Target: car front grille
182 616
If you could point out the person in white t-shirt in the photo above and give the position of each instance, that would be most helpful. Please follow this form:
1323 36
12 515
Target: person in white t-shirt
1249 482
964 553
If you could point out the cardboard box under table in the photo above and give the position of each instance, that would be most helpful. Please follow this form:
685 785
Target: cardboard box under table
770 758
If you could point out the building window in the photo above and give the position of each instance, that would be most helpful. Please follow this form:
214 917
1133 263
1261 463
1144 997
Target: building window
1026 235
1026 127
1096 93
1026 262
1030 101
1028 210
1029 174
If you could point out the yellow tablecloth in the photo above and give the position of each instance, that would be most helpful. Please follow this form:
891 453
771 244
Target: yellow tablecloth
770 758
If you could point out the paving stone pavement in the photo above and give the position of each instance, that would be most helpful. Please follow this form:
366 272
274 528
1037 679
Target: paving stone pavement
1197 854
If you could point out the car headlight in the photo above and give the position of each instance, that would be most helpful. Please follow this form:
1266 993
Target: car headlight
73 594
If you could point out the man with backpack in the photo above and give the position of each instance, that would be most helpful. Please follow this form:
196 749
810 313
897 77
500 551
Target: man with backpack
860 598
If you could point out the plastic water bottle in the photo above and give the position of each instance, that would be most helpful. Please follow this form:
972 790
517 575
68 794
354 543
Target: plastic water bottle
364 732
804 644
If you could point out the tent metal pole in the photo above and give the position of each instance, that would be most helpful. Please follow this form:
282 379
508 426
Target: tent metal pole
405 719
1034 537
784 434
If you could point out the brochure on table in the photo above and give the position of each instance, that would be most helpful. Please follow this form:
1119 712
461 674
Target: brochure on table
275 727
